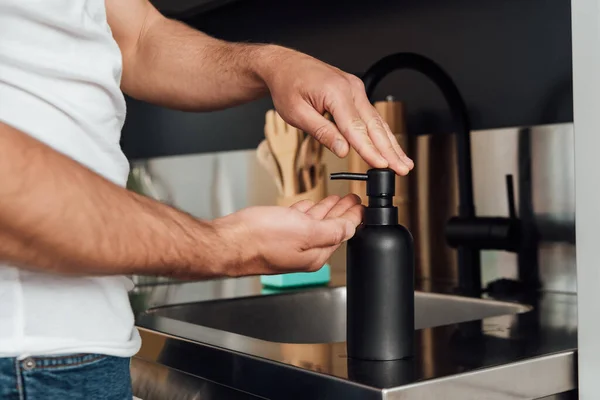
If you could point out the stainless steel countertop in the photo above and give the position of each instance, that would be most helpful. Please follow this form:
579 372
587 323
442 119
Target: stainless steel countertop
154 381
521 356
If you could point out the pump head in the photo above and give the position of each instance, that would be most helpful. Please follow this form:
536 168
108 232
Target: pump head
380 190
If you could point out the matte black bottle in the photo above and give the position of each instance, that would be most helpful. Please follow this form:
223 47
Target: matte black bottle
380 276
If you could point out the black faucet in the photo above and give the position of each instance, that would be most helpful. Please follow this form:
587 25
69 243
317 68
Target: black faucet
466 232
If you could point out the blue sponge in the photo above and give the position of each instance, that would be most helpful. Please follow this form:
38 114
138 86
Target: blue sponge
296 279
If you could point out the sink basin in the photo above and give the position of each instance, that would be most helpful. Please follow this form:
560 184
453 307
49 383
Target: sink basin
319 315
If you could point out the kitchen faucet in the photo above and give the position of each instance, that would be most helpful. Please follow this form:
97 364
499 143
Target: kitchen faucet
466 232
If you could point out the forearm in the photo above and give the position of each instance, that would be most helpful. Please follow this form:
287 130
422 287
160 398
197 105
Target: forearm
179 67
58 216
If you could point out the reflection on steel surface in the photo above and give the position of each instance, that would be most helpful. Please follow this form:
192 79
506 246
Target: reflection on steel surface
533 350
319 315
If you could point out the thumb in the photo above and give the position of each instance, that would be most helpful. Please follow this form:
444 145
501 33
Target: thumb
331 232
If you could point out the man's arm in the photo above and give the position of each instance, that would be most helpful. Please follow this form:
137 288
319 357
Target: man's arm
58 216
168 63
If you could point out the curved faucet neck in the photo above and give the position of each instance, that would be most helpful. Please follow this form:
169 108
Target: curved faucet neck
468 258
457 106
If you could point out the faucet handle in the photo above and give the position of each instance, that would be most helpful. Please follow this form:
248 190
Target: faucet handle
510 193
488 233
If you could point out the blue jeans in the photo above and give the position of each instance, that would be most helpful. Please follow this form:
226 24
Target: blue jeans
77 376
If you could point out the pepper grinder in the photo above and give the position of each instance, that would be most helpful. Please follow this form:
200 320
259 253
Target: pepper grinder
380 276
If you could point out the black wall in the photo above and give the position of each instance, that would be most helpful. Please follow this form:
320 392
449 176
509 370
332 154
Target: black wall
511 59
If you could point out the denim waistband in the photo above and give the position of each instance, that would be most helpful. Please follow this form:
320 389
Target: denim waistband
66 377
49 362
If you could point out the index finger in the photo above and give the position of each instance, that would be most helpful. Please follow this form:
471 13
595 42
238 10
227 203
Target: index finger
354 129
343 205
378 133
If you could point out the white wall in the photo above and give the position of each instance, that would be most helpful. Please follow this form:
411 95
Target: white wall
586 95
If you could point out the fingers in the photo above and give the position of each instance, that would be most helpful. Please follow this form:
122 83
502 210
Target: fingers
379 135
397 149
357 122
338 226
303 205
322 129
322 208
333 206
409 163
343 205
353 128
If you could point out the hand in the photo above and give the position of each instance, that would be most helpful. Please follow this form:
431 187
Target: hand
273 240
304 88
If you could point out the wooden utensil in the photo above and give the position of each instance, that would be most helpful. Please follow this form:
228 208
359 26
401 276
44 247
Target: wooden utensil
316 194
301 160
266 159
312 153
314 156
283 142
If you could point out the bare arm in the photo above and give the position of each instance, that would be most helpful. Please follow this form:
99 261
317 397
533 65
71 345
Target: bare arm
173 65
58 216
166 62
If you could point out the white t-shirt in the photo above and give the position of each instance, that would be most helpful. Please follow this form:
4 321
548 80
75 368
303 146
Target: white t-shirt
60 73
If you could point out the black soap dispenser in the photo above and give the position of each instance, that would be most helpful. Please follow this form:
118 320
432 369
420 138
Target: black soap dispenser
380 276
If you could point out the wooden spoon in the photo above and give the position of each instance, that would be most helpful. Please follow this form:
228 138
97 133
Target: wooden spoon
312 162
283 141
317 154
316 151
301 163
311 153
266 159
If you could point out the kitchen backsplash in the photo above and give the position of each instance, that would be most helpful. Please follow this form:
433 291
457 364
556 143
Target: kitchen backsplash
215 184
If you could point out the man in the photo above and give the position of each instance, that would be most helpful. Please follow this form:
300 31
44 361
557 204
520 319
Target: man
69 231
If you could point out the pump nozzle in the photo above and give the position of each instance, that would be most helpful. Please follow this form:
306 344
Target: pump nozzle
350 176
380 182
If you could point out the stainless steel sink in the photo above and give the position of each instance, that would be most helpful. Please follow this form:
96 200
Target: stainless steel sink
319 315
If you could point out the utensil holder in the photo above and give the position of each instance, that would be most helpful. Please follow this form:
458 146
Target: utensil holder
297 279
315 194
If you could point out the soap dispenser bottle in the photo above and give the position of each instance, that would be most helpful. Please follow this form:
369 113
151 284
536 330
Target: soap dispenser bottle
380 276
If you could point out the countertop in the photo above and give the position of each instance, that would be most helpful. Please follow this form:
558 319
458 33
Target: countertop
495 358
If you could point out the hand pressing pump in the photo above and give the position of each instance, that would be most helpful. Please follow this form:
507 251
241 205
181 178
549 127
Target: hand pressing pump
380 276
